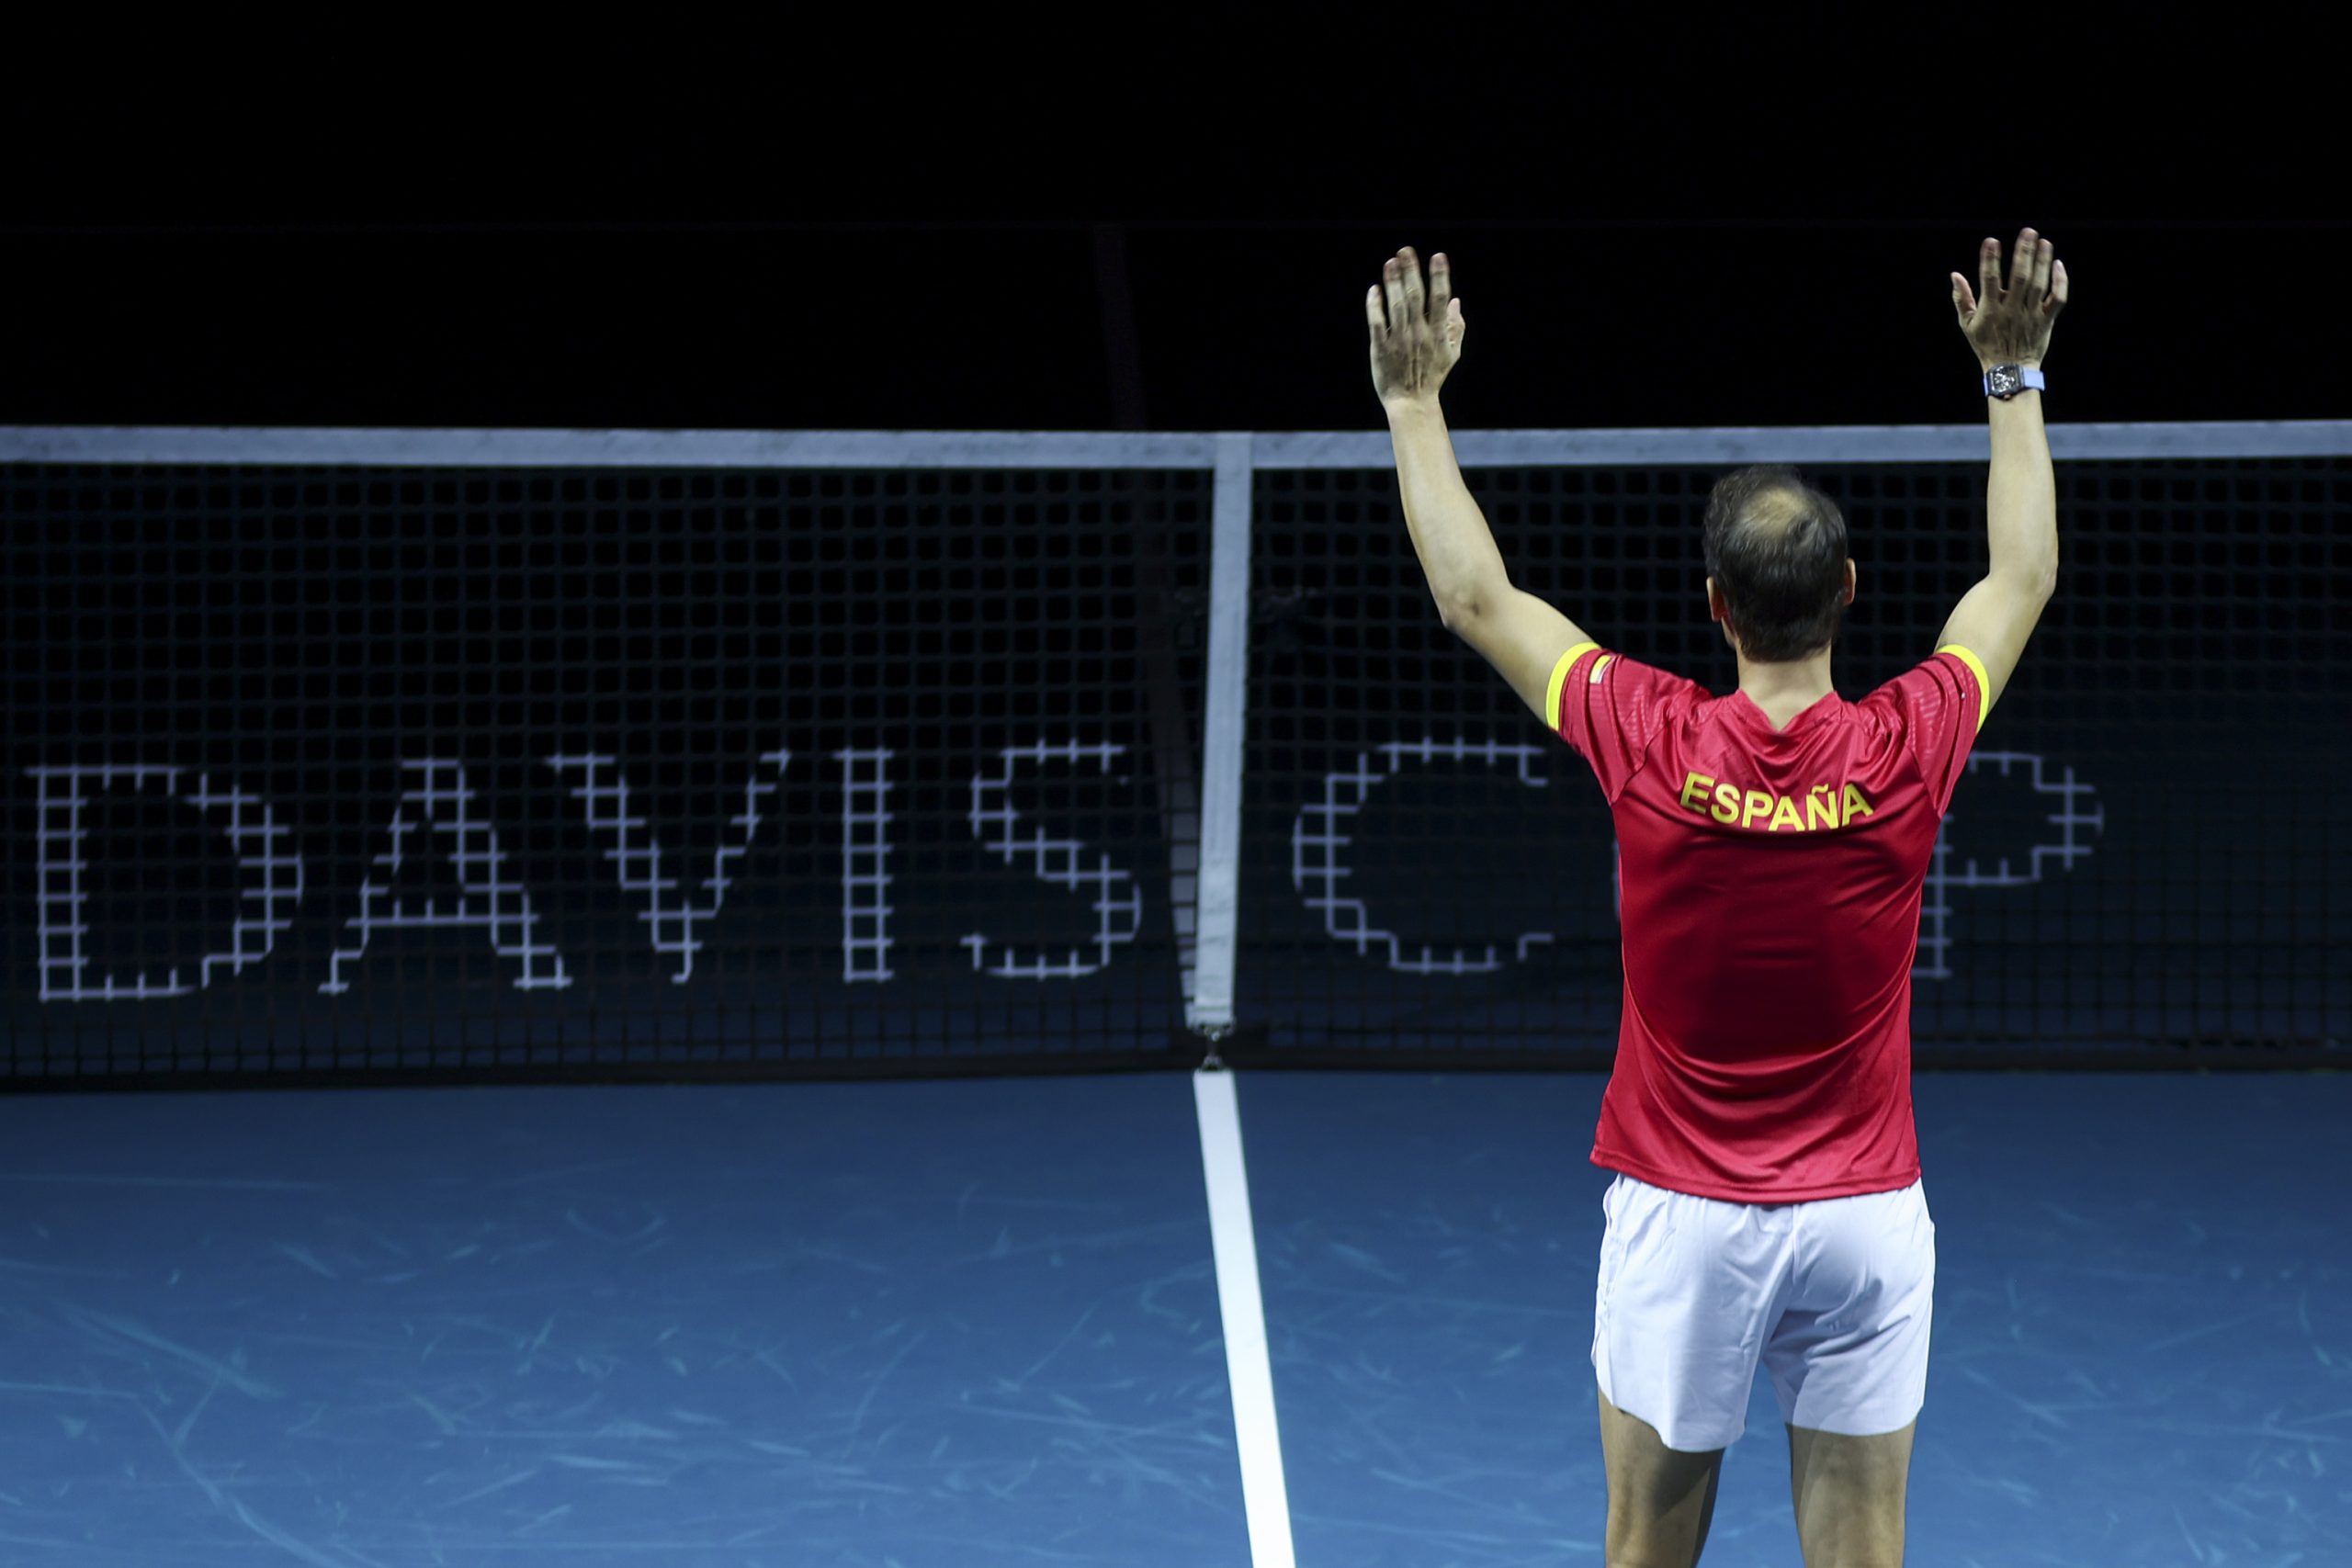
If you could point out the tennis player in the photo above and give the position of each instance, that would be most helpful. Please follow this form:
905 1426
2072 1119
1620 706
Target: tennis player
1774 843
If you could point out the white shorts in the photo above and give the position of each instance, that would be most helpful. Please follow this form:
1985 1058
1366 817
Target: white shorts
1835 1297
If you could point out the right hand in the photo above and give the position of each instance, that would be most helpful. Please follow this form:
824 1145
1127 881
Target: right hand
1416 340
2011 325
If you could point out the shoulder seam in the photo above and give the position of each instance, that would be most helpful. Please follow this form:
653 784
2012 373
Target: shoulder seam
1649 745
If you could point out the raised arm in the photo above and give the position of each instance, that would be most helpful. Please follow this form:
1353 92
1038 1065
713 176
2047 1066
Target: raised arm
1416 340
2010 325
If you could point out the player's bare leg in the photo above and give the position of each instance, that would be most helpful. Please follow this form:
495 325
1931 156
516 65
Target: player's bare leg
1848 1495
1660 1499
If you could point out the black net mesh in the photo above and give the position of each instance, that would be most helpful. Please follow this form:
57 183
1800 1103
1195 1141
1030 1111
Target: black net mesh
2151 848
466 770
479 772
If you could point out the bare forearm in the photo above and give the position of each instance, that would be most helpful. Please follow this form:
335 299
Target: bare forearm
1450 532
2022 497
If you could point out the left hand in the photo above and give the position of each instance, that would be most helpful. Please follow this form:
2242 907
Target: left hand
1417 339
2011 325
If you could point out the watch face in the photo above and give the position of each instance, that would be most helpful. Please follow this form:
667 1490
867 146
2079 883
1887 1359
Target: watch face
2004 380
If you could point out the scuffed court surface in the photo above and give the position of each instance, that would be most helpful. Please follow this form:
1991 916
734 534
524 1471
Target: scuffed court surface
968 1324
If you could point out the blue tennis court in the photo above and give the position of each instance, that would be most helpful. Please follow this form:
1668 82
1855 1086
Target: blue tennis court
976 1322
606 995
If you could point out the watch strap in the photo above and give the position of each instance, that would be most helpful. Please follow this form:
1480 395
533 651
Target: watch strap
2014 378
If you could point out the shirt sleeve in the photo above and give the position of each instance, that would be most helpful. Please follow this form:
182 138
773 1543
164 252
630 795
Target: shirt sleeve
1611 708
1937 708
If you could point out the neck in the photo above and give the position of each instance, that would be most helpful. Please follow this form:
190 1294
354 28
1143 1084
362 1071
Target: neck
1786 690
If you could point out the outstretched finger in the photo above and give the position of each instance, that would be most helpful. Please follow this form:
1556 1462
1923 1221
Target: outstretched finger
1414 303
1988 270
2044 253
1374 316
1962 299
1392 284
2021 261
2057 300
1440 286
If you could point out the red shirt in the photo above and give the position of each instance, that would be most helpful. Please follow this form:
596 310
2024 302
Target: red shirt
1771 883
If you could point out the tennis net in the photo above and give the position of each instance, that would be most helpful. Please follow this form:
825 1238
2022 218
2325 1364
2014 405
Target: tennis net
544 754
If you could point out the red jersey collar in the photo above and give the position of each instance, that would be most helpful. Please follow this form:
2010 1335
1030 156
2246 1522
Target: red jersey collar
1751 717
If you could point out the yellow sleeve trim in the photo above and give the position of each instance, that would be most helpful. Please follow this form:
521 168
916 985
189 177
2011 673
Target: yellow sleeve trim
1975 668
1560 679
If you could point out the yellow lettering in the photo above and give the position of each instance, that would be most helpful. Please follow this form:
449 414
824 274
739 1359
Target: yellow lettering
1694 791
1727 805
1856 806
1820 807
1785 810
1759 802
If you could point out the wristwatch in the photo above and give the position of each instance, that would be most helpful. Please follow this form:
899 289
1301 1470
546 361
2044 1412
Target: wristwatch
2006 381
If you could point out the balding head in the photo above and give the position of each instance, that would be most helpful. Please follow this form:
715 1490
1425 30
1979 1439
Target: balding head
1776 549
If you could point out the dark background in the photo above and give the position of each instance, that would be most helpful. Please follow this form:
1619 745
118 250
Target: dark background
1108 219
1122 219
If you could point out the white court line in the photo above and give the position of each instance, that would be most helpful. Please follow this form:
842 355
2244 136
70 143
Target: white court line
1265 1497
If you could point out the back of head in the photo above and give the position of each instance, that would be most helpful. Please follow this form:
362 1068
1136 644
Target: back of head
1776 548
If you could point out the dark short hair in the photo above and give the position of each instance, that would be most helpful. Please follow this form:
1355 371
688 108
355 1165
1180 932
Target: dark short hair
1777 548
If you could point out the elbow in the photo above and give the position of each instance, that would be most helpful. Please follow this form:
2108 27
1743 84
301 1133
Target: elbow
1460 605
2045 580
2036 581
